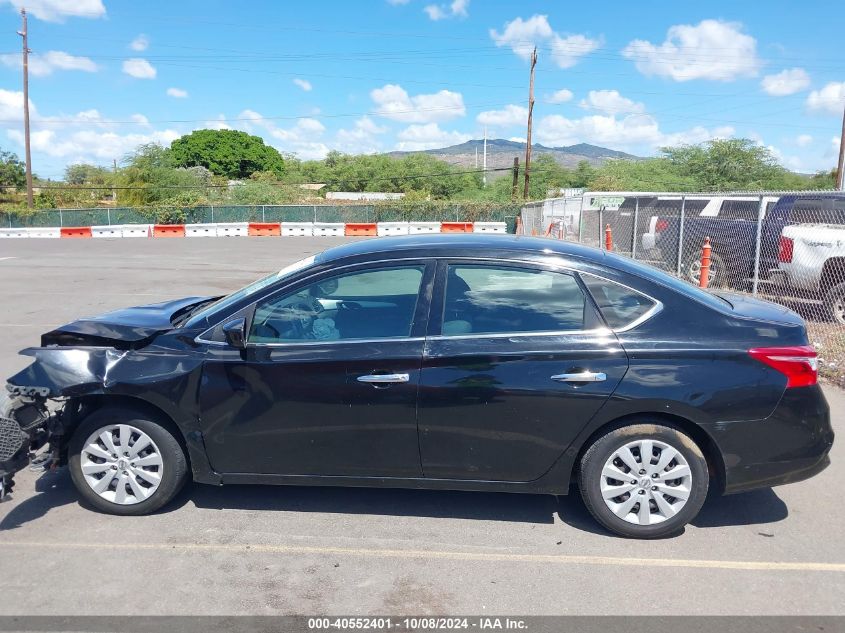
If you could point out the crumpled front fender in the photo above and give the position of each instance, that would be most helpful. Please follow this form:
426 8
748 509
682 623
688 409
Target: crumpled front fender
67 371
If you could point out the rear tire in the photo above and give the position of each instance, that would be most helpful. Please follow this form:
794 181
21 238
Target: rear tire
834 303
717 276
123 462
615 481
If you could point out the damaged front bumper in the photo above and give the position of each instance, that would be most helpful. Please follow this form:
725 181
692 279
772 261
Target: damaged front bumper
28 423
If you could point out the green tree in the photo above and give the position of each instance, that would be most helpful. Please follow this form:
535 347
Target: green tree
229 153
85 174
654 174
12 170
149 176
727 164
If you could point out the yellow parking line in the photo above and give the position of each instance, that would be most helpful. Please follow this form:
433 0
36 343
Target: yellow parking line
563 559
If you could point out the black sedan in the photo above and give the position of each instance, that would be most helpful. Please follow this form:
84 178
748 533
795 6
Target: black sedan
450 362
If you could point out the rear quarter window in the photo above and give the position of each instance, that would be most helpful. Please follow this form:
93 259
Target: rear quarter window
620 306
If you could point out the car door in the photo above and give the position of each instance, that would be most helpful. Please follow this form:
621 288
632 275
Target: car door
327 383
517 362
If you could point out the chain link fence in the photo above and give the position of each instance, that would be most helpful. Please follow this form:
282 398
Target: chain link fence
406 211
787 247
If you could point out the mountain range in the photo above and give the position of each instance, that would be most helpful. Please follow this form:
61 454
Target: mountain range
501 152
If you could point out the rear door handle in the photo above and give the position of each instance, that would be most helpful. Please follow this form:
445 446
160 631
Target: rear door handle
383 379
581 376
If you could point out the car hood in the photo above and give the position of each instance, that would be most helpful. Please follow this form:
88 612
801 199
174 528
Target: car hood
124 328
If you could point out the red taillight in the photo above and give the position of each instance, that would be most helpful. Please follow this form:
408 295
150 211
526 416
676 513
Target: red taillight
785 250
661 226
799 364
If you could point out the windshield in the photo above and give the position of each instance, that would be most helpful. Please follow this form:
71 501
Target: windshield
246 291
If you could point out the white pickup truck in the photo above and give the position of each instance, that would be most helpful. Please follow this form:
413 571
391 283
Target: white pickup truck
811 257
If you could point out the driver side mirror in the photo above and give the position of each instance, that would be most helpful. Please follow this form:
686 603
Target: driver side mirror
235 333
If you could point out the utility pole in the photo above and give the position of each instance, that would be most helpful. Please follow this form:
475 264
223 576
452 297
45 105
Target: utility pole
515 178
530 113
484 178
23 34
113 190
840 170
476 156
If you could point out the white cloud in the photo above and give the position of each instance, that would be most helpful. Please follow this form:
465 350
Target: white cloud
828 100
456 9
393 102
139 68
304 84
523 35
560 96
140 43
510 115
84 136
567 50
428 136
44 64
786 82
712 49
58 10
630 132
362 138
91 144
177 93
803 140
611 102
219 123
301 139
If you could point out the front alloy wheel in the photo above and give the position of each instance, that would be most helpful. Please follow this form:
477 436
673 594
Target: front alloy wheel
644 480
122 464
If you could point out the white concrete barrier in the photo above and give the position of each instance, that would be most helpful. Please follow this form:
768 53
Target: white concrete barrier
13 233
200 230
106 231
297 229
490 227
392 228
329 229
233 229
423 227
50 232
135 230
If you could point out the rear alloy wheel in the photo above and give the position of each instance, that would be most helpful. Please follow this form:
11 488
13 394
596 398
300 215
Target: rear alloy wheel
834 302
644 480
122 463
716 276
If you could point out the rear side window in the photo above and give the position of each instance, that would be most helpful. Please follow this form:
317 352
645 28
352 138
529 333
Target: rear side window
494 299
619 305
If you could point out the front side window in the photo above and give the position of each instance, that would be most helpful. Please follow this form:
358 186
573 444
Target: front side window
356 305
494 300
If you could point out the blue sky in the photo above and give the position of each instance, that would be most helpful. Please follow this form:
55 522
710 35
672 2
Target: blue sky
378 75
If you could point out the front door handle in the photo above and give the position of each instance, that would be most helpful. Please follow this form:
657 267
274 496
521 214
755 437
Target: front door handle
581 376
383 379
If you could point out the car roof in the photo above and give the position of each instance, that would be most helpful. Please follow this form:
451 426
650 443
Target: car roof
460 244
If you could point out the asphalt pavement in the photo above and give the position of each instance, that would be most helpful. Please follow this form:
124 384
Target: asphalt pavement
278 550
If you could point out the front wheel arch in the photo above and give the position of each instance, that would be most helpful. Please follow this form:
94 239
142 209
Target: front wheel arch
89 404
715 463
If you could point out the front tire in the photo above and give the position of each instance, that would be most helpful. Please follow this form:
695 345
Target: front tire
123 462
644 480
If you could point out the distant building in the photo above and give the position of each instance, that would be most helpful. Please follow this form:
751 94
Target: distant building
363 195
312 186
